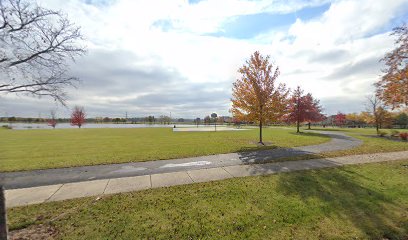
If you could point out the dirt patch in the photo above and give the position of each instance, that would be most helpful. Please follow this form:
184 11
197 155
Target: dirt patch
260 145
34 232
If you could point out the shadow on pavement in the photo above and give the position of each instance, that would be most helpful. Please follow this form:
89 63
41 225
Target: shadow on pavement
268 156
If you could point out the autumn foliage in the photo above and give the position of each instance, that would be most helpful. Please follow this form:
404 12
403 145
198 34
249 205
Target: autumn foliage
78 116
255 96
303 108
52 123
393 87
340 119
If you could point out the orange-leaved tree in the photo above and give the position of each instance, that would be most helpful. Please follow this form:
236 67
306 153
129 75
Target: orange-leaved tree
304 108
393 86
78 116
255 98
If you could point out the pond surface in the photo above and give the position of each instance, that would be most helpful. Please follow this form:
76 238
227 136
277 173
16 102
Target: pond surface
26 126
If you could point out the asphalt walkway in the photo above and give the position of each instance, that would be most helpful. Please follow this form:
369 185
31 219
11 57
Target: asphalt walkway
25 179
57 192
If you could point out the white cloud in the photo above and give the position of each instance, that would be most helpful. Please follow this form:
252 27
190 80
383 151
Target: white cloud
331 56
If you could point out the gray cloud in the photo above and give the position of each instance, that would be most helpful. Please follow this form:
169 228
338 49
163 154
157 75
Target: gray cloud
369 66
333 56
125 84
115 73
322 56
24 106
344 105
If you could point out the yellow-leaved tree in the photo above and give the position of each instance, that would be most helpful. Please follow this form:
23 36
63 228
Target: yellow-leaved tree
393 86
255 96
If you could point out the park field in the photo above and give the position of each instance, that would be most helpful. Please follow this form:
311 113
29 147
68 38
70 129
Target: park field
56 148
355 202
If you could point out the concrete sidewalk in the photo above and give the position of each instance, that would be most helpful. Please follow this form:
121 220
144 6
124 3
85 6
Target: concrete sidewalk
57 192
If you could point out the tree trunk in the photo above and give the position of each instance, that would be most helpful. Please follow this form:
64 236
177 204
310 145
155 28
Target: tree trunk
308 126
297 126
260 125
297 115
3 215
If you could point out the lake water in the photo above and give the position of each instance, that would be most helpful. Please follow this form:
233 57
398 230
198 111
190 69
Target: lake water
26 126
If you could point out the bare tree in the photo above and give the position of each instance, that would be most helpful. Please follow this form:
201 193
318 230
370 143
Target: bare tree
36 45
163 119
53 119
377 110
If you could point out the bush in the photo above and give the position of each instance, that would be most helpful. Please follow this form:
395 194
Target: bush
6 126
404 136
382 133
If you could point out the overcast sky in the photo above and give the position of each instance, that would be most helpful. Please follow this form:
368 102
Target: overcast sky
156 57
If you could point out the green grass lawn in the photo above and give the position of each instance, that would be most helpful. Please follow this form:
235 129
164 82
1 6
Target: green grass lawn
42 149
371 142
355 202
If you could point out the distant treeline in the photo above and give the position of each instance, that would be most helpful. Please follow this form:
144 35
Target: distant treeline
132 120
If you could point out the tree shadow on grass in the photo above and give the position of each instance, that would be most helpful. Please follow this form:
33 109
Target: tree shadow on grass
329 129
344 197
310 134
336 135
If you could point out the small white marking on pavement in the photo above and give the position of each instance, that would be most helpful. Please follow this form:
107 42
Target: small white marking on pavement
129 169
189 164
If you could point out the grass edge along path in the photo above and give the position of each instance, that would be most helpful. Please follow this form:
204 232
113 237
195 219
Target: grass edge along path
367 201
44 149
68 158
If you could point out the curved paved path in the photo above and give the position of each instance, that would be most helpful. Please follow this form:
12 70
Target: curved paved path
24 179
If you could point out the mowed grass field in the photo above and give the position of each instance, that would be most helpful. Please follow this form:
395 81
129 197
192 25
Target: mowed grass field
371 142
55 148
355 202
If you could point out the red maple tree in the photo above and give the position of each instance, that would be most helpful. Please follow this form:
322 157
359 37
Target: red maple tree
52 123
78 116
304 108
340 119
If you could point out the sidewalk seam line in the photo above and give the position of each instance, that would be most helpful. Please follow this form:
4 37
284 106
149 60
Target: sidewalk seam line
46 200
228 172
190 177
104 190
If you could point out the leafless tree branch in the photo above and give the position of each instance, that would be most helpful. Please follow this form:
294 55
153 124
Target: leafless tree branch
36 45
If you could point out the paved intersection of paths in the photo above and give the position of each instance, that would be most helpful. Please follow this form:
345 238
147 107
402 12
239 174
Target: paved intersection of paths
57 192
24 179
